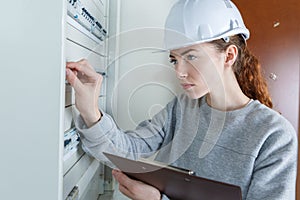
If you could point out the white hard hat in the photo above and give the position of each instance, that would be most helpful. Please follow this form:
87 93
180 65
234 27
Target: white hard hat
196 21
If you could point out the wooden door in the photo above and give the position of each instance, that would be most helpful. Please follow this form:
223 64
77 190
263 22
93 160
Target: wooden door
275 38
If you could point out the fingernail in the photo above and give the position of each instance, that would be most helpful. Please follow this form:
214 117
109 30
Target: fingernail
115 172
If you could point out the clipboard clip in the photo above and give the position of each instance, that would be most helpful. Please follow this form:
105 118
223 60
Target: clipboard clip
187 171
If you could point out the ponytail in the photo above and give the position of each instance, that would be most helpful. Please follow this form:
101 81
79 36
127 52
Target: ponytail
247 70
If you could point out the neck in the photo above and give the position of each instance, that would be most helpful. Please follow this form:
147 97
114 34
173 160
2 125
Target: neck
227 97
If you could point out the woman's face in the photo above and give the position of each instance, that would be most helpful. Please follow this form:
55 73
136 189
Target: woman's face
198 68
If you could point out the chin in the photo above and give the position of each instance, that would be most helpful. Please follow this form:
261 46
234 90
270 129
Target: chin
196 95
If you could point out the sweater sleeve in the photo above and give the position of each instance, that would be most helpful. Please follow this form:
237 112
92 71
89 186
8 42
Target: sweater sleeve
274 175
105 136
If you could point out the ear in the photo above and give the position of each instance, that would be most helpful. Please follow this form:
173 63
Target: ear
231 54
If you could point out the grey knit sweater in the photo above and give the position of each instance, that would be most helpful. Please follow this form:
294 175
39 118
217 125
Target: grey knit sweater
253 147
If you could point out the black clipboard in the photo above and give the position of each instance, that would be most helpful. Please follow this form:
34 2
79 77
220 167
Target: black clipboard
177 184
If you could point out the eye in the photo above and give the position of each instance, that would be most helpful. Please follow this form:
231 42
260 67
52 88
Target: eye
173 61
190 57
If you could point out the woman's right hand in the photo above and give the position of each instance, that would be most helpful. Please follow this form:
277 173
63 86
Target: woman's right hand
86 83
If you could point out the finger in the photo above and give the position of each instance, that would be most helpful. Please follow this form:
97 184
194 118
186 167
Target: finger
124 183
70 76
73 80
73 65
123 179
82 66
125 191
120 177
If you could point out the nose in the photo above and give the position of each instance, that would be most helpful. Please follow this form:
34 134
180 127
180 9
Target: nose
181 76
180 69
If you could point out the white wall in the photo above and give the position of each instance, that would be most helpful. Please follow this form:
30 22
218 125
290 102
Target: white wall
146 81
32 100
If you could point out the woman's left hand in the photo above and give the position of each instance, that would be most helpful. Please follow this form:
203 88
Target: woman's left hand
136 190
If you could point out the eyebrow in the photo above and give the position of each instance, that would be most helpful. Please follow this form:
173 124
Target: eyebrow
183 53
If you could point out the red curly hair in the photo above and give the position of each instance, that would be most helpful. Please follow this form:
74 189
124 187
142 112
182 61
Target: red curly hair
247 70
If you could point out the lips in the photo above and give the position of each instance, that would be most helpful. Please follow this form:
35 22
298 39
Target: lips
187 86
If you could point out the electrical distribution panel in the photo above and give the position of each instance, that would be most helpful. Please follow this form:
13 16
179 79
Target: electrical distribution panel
86 33
82 15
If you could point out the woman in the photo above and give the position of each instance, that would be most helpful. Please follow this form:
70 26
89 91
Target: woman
223 127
